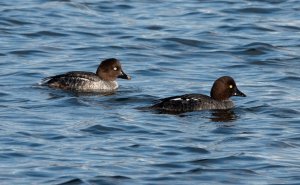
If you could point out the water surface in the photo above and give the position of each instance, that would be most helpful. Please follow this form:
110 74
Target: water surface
49 136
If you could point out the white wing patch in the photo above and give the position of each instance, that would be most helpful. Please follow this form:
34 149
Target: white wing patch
177 99
185 99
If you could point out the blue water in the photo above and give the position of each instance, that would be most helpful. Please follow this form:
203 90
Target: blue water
169 48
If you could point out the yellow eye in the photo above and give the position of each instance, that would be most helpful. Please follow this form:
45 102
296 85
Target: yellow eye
230 86
115 68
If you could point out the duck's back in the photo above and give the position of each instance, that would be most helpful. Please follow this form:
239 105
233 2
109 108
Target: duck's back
191 102
80 81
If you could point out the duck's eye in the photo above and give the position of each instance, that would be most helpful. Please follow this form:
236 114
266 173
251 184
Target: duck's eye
115 68
230 86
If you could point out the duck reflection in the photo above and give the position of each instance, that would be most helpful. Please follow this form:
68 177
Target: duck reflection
227 115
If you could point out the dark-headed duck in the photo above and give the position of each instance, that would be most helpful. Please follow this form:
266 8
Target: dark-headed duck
103 80
222 89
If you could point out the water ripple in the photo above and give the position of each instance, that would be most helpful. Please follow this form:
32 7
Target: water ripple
46 33
99 129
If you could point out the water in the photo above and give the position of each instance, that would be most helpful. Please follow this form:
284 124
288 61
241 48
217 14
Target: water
170 48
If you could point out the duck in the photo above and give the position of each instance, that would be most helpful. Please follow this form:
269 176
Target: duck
104 80
223 88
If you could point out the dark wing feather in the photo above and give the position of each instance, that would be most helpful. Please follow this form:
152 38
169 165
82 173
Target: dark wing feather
70 80
184 103
75 74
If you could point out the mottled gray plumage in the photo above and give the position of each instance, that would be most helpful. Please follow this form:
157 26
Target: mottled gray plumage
80 81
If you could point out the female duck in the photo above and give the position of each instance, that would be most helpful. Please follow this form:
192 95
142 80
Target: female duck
222 89
104 80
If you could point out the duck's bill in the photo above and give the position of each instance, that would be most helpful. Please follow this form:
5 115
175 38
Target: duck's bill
124 76
239 93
